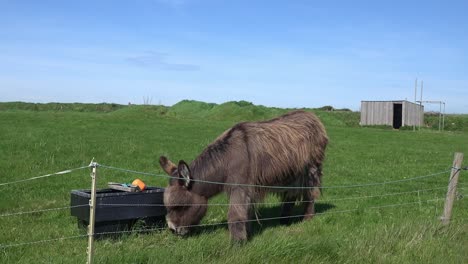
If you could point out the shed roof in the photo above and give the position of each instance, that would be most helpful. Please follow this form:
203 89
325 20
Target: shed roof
393 101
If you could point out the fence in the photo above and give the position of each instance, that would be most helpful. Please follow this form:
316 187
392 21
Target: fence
446 216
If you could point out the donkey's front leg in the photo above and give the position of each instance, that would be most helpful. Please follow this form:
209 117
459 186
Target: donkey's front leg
238 215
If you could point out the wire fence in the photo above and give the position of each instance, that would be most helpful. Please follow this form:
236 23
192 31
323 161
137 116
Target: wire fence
227 204
419 202
220 223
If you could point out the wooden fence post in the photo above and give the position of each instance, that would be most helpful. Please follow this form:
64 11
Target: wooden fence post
452 188
92 212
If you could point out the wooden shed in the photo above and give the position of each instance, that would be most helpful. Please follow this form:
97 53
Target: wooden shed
391 113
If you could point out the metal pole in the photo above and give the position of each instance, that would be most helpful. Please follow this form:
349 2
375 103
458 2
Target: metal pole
440 116
92 212
443 119
420 106
422 87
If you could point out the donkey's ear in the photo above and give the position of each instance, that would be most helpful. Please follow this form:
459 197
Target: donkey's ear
167 165
184 174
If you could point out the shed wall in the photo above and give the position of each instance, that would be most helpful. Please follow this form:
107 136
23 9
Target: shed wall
376 113
381 113
412 114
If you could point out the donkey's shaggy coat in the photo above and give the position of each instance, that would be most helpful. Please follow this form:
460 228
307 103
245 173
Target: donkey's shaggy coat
285 151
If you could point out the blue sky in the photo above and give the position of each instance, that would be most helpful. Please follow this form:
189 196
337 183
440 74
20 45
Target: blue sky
275 53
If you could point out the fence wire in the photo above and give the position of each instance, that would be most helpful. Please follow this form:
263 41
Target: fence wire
39 241
43 210
272 218
44 176
278 202
280 187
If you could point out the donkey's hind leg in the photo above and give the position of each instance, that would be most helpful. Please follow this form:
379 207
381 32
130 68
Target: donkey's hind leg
313 180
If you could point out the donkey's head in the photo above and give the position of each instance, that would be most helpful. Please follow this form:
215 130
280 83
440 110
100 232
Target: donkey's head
184 207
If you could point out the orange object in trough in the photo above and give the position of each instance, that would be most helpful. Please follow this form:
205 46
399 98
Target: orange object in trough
140 184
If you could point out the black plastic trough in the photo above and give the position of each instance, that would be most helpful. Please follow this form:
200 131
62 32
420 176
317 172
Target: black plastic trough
116 215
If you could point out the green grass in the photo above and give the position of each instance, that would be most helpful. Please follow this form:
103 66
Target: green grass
451 122
39 141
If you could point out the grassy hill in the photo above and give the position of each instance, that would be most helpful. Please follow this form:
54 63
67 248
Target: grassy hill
187 109
229 111
64 107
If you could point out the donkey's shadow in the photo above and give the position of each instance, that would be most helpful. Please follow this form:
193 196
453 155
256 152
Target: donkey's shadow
268 217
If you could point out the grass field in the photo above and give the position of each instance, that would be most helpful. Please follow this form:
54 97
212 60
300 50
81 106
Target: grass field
40 140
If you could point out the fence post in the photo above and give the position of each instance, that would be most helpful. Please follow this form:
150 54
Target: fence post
452 188
92 211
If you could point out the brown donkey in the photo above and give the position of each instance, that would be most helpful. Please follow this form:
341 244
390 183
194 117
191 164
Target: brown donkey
285 151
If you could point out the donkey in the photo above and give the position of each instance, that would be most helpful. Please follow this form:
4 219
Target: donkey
285 151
